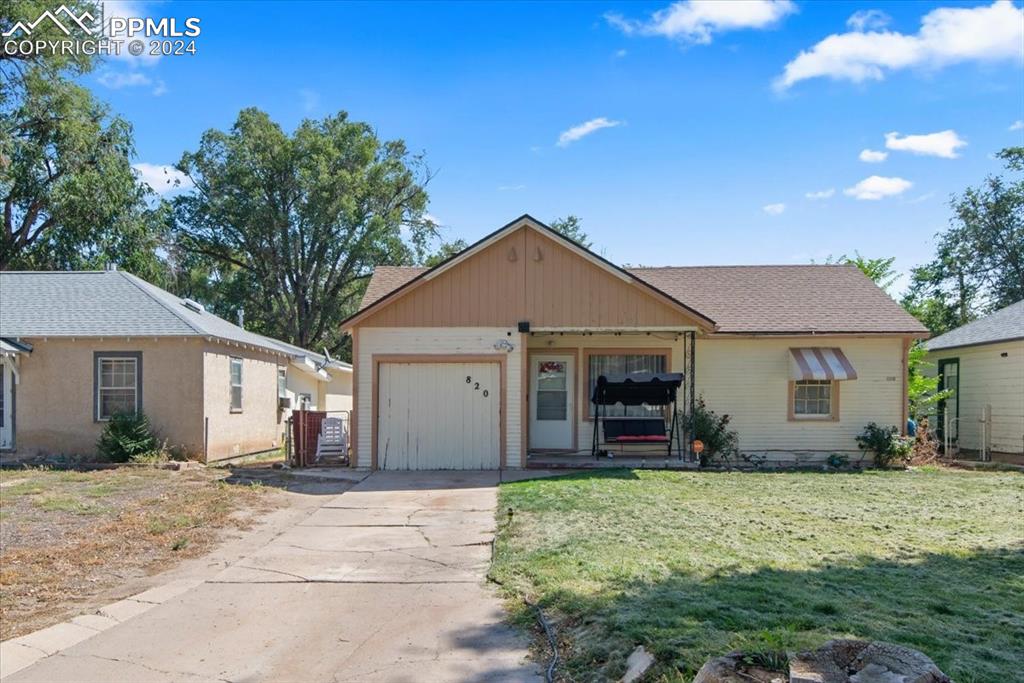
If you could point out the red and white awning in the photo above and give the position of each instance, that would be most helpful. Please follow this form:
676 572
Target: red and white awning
820 362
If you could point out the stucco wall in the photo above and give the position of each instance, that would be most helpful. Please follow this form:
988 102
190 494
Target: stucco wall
988 377
55 397
256 428
337 394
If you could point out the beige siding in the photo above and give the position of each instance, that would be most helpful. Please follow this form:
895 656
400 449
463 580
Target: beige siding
257 428
55 397
988 377
447 341
526 276
337 394
748 380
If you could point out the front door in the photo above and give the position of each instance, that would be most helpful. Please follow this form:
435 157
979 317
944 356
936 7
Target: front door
6 405
552 379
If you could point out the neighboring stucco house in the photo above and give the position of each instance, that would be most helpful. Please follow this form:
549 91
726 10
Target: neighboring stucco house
77 347
490 358
983 363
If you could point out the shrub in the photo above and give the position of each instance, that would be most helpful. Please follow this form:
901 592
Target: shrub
125 436
713 430
887 445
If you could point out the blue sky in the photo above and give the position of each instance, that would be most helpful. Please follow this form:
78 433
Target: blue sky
707 153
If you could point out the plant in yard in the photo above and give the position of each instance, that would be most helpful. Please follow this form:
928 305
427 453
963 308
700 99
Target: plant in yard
888 446
126 436
719 441
923 393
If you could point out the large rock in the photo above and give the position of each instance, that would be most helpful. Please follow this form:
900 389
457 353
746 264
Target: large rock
732 669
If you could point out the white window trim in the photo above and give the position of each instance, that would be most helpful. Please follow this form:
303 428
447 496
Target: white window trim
136 360
833 404
232 385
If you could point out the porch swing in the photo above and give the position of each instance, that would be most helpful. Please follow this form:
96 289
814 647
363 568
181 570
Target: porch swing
638 388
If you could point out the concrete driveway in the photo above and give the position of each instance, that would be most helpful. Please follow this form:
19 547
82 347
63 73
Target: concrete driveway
384 582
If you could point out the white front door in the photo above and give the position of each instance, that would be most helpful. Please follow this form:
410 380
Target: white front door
6 405
552 379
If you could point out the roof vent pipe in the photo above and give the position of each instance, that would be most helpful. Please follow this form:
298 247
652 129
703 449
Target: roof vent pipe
241 318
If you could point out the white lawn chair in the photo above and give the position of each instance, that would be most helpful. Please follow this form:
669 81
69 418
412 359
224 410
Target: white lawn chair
333 439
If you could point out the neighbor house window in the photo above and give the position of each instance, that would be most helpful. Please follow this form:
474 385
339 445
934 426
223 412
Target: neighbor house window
282 383
118 384
620 364
812 398
236 385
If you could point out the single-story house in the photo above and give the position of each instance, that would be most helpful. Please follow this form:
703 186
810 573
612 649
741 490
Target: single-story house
77 347
983 363
489 359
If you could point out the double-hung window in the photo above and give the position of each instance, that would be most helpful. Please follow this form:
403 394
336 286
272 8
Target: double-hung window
601 363
812 399
118 384
236 385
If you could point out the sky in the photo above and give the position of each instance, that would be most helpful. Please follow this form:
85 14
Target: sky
681 134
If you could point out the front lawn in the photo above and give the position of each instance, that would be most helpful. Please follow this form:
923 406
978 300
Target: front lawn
69 541
693 565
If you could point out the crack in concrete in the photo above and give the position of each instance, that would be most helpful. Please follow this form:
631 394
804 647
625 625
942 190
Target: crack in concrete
271 571
147 667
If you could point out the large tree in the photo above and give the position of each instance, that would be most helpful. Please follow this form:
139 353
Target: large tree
70 196
294 224
979 265
572 227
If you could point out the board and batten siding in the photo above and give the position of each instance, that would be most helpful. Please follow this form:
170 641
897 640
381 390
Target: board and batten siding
989 378
748 379
527 276
442 341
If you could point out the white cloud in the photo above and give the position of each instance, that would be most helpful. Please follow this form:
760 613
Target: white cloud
870 156
774 209
115 80
1017 125
943 144
868 20
160 89
621 53
127 9
511 188
821 194
877 187
947 36
584 129
163 178
310 99
696 21
433 219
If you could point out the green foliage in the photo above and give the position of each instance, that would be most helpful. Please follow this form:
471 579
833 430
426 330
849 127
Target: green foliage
888 446
70 196
979 264
879 270
719 441
572 227
445 252
923 393
290 226
127 436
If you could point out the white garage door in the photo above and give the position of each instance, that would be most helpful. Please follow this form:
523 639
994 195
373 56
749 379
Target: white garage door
439 416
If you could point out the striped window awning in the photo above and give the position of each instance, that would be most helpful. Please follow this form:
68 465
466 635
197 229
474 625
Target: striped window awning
819 362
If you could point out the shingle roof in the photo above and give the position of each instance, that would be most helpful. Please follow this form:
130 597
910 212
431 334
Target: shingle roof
1006 324
795 299
106 304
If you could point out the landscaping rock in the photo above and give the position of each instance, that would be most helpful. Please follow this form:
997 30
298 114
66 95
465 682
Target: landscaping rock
637 664
837 661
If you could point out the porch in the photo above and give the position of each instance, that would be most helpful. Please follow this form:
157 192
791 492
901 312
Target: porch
560 423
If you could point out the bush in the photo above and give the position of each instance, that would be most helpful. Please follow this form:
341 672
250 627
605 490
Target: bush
126 436
713 430
886 443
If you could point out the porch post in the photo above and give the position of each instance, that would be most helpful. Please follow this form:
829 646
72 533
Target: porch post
692 388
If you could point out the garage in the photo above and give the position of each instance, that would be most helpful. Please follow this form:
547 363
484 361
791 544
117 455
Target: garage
438 415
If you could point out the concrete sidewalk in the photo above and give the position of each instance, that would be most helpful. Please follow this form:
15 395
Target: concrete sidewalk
384 582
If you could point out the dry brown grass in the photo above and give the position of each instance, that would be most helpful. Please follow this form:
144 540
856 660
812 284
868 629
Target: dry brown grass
68 538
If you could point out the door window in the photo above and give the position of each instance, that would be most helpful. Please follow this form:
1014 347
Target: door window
552 390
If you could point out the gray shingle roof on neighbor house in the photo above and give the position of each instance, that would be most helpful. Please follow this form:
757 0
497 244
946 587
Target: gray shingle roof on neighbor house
108 304
795 299
1006 324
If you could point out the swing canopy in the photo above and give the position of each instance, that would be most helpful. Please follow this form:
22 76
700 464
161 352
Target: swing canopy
637 388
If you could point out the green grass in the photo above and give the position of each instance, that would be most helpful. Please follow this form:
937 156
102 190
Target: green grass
693 565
